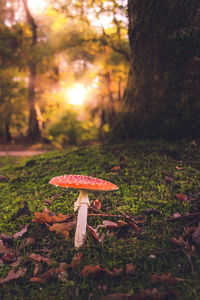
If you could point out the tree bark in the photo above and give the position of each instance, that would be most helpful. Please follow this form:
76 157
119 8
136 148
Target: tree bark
162 94
34 132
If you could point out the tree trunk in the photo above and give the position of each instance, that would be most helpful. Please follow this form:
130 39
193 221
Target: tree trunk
34 129
162 94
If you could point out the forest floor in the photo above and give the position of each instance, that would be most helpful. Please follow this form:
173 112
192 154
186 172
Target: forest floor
143 243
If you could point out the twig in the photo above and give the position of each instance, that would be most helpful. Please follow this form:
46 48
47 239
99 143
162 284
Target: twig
106 215
190 260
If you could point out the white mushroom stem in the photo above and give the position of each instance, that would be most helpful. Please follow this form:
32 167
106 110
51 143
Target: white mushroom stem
81 204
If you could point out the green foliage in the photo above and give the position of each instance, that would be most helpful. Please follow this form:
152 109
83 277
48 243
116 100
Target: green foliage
70 131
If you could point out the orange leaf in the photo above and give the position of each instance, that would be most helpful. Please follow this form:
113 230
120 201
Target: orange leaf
115 168
95 271
181 197
97 204
60 227
47 216
39 258
21 232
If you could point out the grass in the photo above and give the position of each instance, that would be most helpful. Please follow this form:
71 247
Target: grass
142 186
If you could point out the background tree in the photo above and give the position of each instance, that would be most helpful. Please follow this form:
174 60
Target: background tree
162 95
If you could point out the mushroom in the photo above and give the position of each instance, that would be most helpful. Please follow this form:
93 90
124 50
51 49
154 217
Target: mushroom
84 184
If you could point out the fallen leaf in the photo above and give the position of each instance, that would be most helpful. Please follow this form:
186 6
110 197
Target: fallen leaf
12 275
163 278
168 179
9 258
109 224
176 215
117 272
36 270
21 232
94 232
115 168
17 262
4 249
39 258
76 260
6 237
97 204
66 226
130 269
43 278
134 226
181 197
47 216
122 224
95 271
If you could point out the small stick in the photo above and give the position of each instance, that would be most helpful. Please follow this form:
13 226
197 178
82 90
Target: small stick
107 215
190 260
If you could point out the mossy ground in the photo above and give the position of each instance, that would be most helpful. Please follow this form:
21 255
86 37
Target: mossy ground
142 185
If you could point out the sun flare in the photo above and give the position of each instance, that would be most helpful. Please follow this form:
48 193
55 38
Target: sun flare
37 6
76 95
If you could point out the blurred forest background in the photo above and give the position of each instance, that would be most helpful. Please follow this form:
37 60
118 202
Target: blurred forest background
64 66
75 71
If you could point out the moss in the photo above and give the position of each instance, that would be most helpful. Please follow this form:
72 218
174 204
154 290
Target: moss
142 186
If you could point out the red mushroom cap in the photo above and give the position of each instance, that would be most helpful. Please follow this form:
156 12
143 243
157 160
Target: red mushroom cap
81 182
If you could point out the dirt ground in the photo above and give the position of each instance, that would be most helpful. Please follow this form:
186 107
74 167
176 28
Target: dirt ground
21 153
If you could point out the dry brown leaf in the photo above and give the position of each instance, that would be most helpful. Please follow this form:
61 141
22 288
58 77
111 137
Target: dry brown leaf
94 232
76 260
130 269
47 216
6 237
115 168
12 275
60 227
36 270
163 278
4 249
109 224
39 258
17 262
21 232
168 179
43 278
134 226
9 258
182 197
97 204
122 224
95 271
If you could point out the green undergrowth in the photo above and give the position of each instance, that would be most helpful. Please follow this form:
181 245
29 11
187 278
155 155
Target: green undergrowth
143 194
